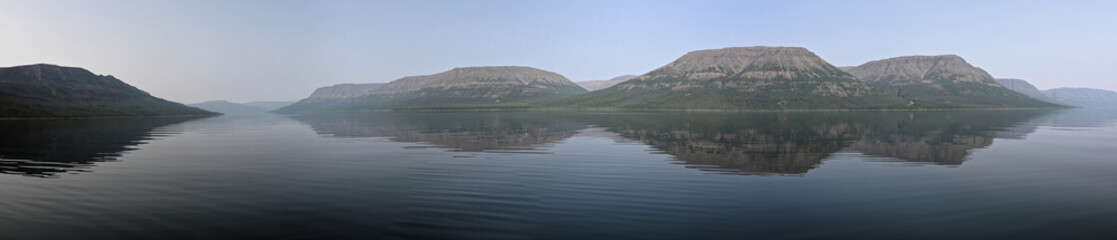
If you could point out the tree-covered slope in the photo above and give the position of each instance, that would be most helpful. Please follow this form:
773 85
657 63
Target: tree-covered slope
44 90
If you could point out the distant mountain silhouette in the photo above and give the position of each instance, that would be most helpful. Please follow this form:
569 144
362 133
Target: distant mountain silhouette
228 108
269 105
1026 88
1084 97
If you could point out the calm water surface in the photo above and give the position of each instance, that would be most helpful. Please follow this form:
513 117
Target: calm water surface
896 175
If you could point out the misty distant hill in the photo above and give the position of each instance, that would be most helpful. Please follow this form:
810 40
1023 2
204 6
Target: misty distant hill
228 108
44 90
945 81
594 85
459 87
269 105
1083 97
1025 88
739 78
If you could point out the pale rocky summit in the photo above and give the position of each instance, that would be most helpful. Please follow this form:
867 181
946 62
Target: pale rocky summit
760 66
341 91
934 70
594 85
1084 97
1025 88
941 81
458 87
741 78
747 62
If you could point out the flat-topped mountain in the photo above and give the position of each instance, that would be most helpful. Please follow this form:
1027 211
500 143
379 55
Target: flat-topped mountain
1083 97
1025 88
941 81
459 87
594 85
44 90
740 78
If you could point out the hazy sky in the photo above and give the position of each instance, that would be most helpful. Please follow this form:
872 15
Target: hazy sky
193 51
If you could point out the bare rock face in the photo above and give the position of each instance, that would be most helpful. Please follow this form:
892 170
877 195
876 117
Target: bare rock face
594 85
742 78
341 91
945 81
936 70
1025 88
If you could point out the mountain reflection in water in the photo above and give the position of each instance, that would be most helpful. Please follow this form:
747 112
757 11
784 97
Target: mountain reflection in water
945 138
47 148
466 132
737 143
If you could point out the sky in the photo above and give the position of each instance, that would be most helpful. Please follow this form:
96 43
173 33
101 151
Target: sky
281 50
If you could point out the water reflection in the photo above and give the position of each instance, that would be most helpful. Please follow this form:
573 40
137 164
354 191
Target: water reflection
46 148
945 138
761 143
753 143
1081 117
466 132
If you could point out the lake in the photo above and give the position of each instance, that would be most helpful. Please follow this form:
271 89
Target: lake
550 175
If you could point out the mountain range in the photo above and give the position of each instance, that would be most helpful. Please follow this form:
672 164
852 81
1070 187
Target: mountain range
727 79
733 79
44 90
